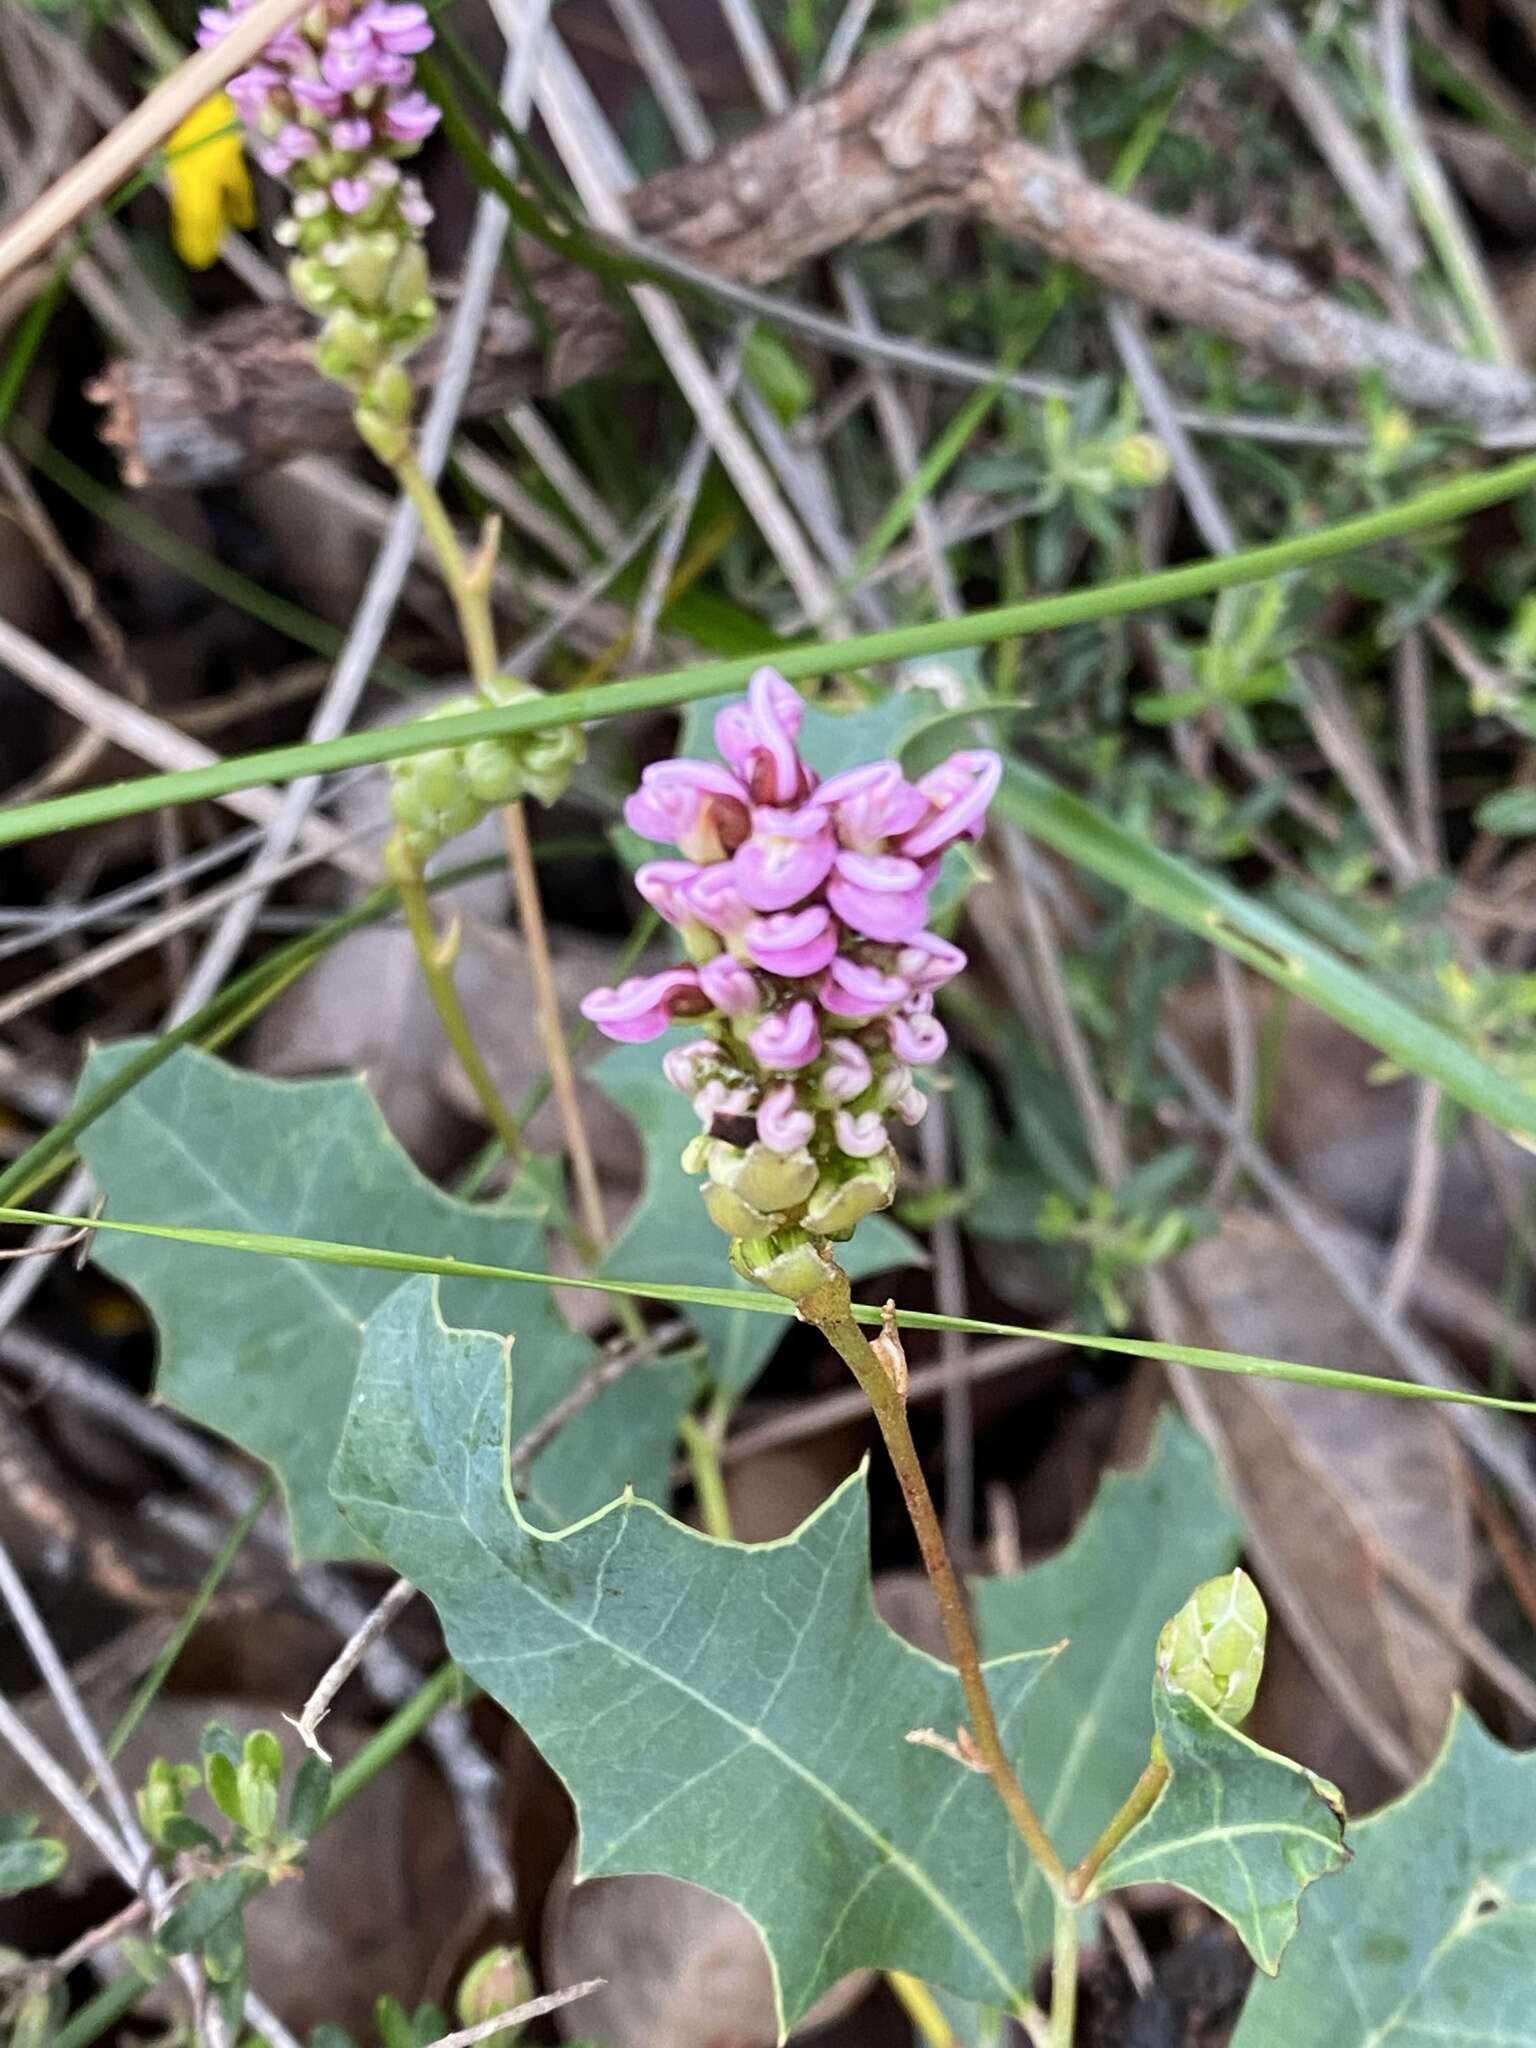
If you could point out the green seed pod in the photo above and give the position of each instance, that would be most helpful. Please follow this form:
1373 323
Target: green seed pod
840 1203
728 1212
1214 1646
312 284
787 1264
549 760
492 771
770 1181
494 1983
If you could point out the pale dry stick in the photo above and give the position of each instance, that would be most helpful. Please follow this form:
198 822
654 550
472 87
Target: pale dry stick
519 2015
61 1788
346 1661
844 40
151 739
521 509
121 152
1421 1201
590 154
527 656
564 478
662 566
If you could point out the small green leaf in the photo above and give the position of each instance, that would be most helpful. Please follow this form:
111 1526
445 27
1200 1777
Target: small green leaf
1089 1726
224 1786
27 1859
180 1831
1512 811
1429 1936
733 1716
267 1357
310 1797
204 1904
1241 1828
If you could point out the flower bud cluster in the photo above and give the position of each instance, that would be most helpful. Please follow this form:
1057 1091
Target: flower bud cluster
439 794
1214 1646
333 109
810 973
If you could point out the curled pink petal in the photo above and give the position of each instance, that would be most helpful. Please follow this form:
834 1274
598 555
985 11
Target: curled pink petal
847 1072
411 118
663 885
642 1007
713 899
788 855
855 989
731 986
861 1137
758 738
352 133
871 805
351 194
793 942
880 895
347 70
693 805
782 1124
723 1098
958 793
787 1040
917 1037
688 1066
912 1107
928 961
315 94
249 89
404 29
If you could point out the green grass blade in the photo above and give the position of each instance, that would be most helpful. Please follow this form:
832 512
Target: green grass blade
1448 501
323 1252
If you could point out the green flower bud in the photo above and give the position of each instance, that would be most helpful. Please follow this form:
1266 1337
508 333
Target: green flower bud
492 771
839 1204
1214 1646
495 1983
312 284
1139 459
550 758
786 1264
728 1212
408 286
767 1179
389 394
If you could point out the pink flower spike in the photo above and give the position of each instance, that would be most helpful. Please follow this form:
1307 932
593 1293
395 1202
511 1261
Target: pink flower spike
782 1124
958 791
411 118
928 961
731 986
661 883
347 66
686 1066
249 88
861 1137
351 194
642 1007
692 805
880 895
917 1037
787 1040
788 855
352 133
793 942
847 1072
856 990
758 739
713 899
871 805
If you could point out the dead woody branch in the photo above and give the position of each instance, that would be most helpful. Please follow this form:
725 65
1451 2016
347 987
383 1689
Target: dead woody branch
925 126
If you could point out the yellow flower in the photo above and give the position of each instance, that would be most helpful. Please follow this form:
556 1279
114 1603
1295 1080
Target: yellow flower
210 185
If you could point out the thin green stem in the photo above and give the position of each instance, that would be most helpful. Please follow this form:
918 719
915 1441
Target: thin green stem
1453 500
446 1685
437 971
883 1382
701 1444
99 2015
1063 1975
1143 1796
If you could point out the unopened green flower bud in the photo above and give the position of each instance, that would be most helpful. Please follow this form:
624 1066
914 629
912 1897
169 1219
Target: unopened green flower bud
492 770
840 1203
786 1264
312 284
549 759
407 292
1214 1646
1139 459
495 1983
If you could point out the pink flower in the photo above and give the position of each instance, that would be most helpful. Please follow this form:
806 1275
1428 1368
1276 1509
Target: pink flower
793 942
642 1007
687 1066
402 28
782 1124
912 1107
917 1037
879 894
663 885
713 899
411 118
861 1137
249 89
958 792
730 986
351 194
758 739
854 988
787 856
352 133
692 805
928 961
786 1039
871 805
314 93
415 207
349 59
720 1098
847 1072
